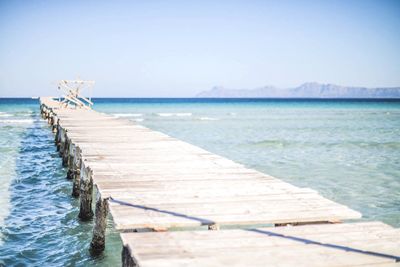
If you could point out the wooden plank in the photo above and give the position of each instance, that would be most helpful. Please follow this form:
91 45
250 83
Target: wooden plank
355 244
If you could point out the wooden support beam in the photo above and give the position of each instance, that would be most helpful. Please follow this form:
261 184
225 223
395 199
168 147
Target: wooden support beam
127 259
57 138
100 224
61 141
86 193
70 159
50 117
76 172
54 124
65 153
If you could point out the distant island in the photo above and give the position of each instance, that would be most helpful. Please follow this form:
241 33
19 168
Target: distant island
306 90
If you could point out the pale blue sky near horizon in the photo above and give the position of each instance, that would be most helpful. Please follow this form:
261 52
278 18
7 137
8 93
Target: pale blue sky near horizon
179 48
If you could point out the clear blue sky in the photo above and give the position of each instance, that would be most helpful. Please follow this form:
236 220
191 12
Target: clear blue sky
178 48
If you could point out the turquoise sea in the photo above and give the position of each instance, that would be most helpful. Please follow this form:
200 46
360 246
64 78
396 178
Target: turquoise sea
348 150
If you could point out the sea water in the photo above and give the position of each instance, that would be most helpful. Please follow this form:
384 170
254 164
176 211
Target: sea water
348 150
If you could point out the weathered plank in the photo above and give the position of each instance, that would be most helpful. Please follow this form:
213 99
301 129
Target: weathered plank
353 244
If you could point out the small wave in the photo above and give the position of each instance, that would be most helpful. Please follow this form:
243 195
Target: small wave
27 113
123 115
139 120
232 113
2 114
184 114
165 114
17 121
208 119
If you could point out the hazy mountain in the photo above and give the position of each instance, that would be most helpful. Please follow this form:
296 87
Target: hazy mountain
307 90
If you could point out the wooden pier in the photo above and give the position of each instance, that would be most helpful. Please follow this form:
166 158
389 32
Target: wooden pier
149 181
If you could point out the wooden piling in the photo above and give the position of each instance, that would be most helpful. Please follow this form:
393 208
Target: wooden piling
49 118
76 168
44 111
100 224
127 259
65 152
70 160
62 141
42 106
47 115
54 124
57 137
86 193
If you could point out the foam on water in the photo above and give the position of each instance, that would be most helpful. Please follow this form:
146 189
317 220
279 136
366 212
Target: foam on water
208 119
123 115
10 132
178 114
8 148
187 114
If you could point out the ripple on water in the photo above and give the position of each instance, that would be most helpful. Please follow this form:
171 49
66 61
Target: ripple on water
42 226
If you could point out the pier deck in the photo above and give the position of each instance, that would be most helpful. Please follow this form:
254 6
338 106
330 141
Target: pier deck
346 244
149 180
